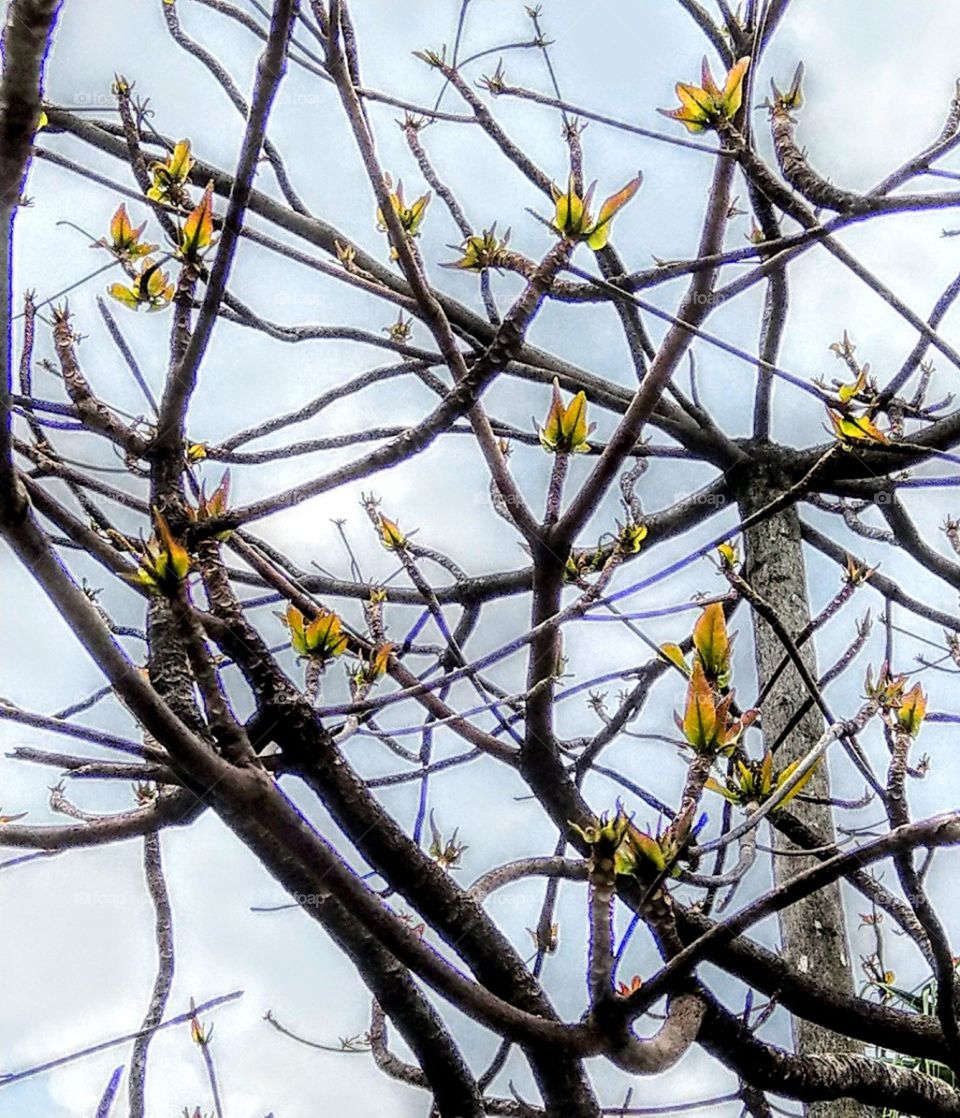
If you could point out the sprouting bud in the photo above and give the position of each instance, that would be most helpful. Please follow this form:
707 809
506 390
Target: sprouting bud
321 638
170 177
573 220
124 240
164 562
706 106
566 430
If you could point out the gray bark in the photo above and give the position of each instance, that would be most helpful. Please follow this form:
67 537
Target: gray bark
813 932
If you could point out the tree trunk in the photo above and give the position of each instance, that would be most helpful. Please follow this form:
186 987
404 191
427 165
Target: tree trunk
812 932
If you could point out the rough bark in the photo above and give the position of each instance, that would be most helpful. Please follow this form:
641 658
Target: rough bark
813 932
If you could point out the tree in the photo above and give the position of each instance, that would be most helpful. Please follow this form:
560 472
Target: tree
275 681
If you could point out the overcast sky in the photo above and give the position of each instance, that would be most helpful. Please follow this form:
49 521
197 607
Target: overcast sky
76 934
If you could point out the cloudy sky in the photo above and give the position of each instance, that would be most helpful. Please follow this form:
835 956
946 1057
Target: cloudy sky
76 934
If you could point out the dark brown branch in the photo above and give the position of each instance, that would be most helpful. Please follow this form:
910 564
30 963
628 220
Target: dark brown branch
157 887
